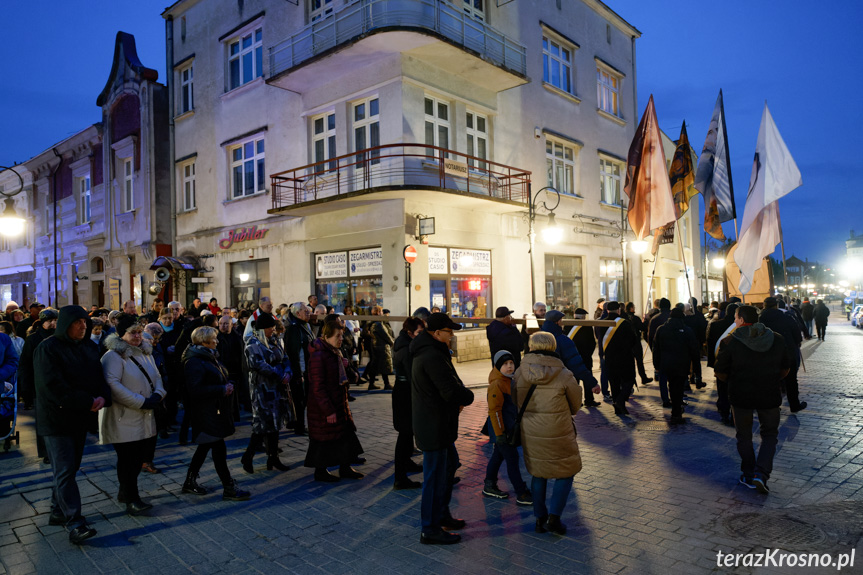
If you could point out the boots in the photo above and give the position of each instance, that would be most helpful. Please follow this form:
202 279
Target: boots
191 484
387 385
255 442
233 492
273 453
554 525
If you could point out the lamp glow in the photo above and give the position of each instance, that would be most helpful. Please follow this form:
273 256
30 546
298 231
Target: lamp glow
244 277
638 246
718 262
553 233
11 224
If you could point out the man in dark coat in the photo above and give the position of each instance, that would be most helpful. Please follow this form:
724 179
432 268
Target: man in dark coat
676 350
46 324
698 324
585 342
617 344
504 336
782 323
569 354
437 397
230 349
70 390
24 325
753 360
657 320
820 313
641 332
402 408
297 339
807 312
715 330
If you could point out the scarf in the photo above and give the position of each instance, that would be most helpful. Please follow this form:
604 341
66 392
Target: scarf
343 376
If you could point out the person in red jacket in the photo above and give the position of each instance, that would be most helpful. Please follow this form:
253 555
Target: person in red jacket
332 434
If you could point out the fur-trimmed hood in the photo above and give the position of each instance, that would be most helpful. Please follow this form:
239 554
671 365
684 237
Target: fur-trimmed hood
116 344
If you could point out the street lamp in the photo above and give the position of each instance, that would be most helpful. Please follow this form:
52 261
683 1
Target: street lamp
718 262
548 233
11 224
638 246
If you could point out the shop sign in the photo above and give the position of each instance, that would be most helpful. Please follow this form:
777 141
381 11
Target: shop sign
470 262
368 262
455 168
437 261
333 265
242 235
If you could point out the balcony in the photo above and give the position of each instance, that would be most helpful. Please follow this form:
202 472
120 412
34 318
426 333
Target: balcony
430 30
398 167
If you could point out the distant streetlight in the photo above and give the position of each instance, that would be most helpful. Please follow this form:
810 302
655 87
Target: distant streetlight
11 224
718 262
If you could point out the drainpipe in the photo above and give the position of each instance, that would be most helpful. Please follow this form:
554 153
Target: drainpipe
169 50
54 198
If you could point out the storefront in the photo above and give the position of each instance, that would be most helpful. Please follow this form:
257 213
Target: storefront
460 282
564 283
250 281
352 278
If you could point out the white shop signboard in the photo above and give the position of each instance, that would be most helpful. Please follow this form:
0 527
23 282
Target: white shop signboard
470 262
367 262
332 265
437 261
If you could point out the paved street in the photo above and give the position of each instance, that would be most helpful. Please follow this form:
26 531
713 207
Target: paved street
649 500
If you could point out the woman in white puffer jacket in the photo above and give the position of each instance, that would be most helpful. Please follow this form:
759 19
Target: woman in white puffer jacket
129 424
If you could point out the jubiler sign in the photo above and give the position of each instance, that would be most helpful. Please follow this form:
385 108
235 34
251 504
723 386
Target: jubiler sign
242 235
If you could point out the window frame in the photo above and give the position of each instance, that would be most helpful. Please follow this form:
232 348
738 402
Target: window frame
188 188
473 135
554 159
184 85
437 123
604 286
603 89
128 184
255 49
85 198
325 8
258 156
471 10
371 126
327 137
603 176
548 42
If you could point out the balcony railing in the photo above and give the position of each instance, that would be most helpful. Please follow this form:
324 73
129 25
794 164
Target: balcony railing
399 166
366 16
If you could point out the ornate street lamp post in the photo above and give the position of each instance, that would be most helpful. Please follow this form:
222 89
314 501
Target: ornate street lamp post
552 234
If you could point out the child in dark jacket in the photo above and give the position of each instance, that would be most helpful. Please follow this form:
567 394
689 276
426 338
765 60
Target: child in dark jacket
502 413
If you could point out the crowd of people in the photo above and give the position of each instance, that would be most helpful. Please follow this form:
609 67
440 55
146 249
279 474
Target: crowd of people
127 377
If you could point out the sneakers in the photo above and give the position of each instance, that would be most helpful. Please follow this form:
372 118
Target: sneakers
800 407
606 397
524 499
760 484
491 490
81 534
746 481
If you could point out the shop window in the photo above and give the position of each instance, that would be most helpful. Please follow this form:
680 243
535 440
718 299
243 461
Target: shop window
564 284
250 281
245 58
464 290
610 278
350 278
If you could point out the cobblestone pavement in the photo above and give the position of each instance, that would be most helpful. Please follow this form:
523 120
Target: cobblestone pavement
649 500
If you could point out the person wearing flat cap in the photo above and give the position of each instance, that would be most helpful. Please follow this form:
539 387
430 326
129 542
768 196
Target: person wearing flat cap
504 336
437 397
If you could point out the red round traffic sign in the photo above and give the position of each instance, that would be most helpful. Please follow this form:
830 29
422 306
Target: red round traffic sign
410 254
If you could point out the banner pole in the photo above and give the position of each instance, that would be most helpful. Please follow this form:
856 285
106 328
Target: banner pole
683 257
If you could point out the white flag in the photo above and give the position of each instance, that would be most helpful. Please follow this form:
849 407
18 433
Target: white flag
774 174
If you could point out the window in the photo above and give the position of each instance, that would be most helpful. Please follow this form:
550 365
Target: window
189 200
564 285
609 181
607 91
367 131
437 124
128 185
84 199
320 9
248 175
610 276
460 282
246 58
477 139
557 64
560 162
187 92
475 8
324 140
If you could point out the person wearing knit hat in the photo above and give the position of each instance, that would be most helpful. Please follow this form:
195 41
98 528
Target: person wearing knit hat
502 413
124 322
264 321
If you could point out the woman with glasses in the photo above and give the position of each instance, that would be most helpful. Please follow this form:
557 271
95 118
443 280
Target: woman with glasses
129 424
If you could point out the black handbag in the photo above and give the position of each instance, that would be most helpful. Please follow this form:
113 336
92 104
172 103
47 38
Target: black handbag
513 436
161 410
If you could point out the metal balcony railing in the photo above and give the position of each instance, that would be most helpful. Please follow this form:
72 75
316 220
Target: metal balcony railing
399 166
365 16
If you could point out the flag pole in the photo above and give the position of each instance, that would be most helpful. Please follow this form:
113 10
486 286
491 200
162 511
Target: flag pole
782 244
683 257
728 166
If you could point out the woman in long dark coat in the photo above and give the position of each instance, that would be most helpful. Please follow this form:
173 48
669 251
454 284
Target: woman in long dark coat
383 340
332 434
269 376
402 416
210 412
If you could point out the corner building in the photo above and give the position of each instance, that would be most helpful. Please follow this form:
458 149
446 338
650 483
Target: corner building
310 141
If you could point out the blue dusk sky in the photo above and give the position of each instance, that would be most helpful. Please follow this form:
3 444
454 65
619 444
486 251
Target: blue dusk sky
804 59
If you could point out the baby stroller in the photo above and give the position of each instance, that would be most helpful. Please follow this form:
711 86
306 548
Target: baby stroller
8 414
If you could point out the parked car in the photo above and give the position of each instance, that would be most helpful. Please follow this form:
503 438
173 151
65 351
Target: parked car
856 315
